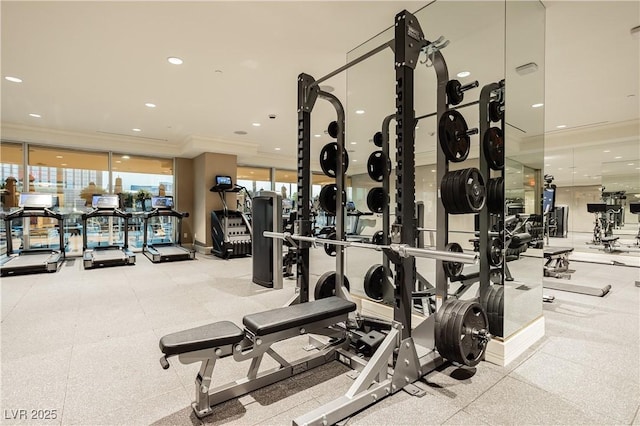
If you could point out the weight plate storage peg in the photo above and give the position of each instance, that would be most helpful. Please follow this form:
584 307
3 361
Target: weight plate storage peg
463 191
327 198
326 285
493 145
376 199
331 249
329 159
453 269
375 281
453 134
378 166
461 332
332 129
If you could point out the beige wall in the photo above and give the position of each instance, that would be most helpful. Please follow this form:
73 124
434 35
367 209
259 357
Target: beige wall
205 168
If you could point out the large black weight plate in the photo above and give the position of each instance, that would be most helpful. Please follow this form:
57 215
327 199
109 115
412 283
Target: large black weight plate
494 307
474 190
495 195
378 166
494 252
378 238
377 199
329 159
327 198
463 191
377 139
452 133
453 269
448 193
458 325
332 129
454 94
375 281
495 111
493 145
331 249
326 285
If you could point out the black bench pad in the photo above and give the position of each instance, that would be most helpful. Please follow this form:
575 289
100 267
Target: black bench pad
555 251
280 319
609 239
205 337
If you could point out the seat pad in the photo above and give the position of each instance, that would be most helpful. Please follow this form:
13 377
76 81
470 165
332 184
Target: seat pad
280 319
555 251
609 239
208 336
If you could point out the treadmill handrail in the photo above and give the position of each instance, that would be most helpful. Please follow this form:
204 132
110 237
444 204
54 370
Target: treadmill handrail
165 212
106 213
40 212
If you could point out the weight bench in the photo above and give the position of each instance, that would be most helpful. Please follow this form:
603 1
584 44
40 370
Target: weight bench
610 243
211 342
557 264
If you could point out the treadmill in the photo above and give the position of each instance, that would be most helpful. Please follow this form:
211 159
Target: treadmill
162 239
28 258
112 253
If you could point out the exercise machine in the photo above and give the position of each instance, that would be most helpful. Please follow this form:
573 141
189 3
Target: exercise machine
161 238
266 214
230 229
113 252
32 257
557 274
634 208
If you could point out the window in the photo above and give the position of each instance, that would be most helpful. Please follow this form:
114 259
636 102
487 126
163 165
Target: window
138 178
11 173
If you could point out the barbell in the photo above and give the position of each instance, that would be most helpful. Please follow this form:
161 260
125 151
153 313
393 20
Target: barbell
403 250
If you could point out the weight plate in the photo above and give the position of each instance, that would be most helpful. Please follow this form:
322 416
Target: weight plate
326 285
331 249
470 319
495 195
453 269
377 139
375 281
494 307
440 331
473 194
496 111
493 145
329 159
448 192
332 129
452 133
376 199
378 166
378 238
494 252
454 94
327 198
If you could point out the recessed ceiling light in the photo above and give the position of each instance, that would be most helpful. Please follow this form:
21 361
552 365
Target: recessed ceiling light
277 149
354 143
317 136
174 60
559 168
125 157
13 79
629 164
150 105
359 111
58 156
637 168
574 172
561 126
548 165
240 132
463 74
256 124
417 127
136 129
118 161
618 157
433 170
536 105
218 71
63 164
355 161
607 150
35 115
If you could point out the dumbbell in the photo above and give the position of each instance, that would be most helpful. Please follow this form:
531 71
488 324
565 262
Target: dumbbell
455 90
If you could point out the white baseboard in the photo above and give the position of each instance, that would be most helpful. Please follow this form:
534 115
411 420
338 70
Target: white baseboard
202 249
503 352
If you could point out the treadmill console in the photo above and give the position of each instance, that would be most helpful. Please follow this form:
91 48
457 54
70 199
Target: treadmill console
222 183
31 200
162 203
105 202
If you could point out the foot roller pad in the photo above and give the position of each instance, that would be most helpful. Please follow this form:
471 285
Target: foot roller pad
280 319
205 337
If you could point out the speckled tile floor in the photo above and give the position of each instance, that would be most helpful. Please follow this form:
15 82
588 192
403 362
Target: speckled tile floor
84 345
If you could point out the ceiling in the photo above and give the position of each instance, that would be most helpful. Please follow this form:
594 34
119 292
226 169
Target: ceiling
88 68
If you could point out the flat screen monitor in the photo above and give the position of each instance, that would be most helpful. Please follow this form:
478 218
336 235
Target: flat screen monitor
35 201
596 207
105 202
549 200
161 202
224 182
